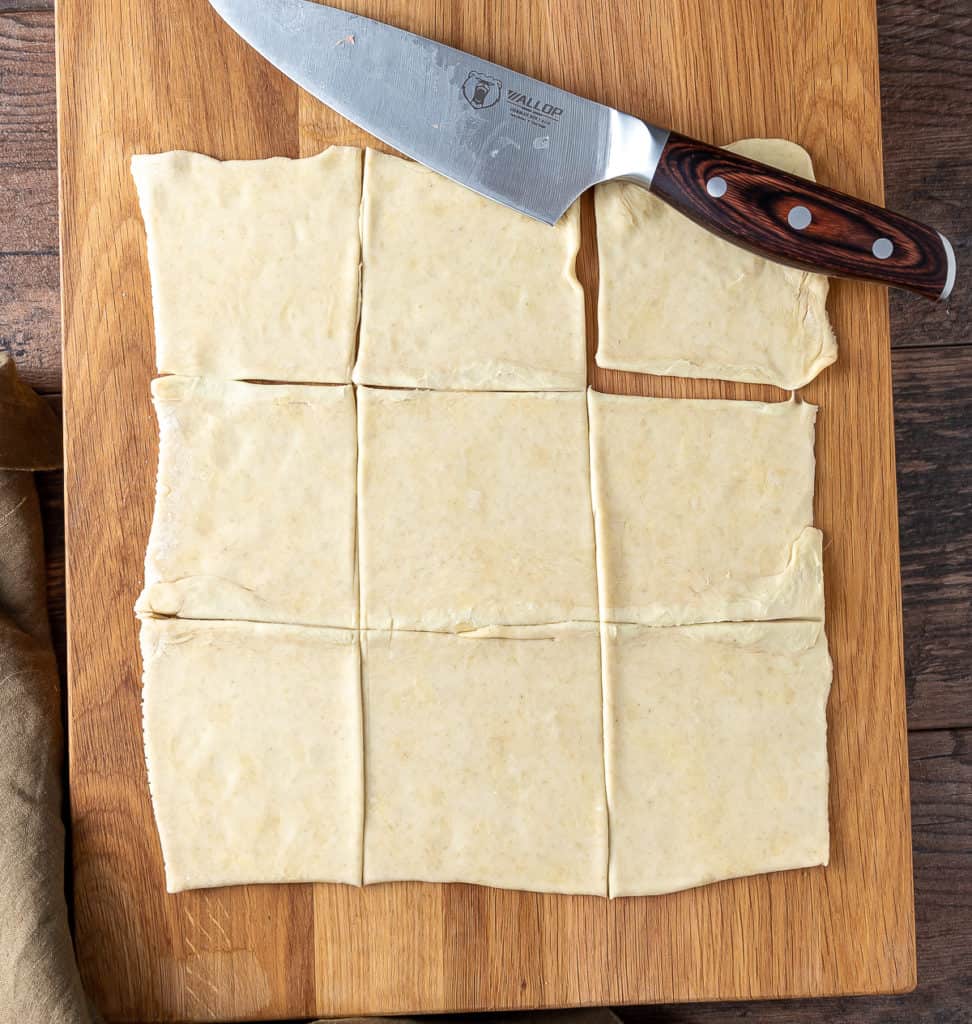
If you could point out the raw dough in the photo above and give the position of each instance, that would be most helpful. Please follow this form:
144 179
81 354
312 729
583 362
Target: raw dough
254 748
716 752
474 509
484 759
254 263
674 299
255 503
704 509
460 292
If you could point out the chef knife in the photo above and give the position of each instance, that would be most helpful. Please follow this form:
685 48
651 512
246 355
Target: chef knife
536 148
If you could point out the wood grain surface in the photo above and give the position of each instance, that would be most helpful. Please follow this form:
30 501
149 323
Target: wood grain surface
929 431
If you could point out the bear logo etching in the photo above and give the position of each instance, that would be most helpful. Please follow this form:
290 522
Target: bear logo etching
481 91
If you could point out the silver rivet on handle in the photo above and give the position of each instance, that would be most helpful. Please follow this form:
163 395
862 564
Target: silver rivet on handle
799 218
716 187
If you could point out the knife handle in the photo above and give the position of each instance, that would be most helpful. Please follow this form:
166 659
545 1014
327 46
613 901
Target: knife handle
794 221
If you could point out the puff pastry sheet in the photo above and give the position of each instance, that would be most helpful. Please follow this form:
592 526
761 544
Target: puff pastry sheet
716 740
254 263
675 299
254 749
474 509
510 684
484 759
255 503
460 292
704 510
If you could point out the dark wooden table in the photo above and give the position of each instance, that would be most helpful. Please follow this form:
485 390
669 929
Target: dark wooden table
926 70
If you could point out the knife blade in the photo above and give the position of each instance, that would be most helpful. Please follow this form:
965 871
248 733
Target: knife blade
505 135
536 148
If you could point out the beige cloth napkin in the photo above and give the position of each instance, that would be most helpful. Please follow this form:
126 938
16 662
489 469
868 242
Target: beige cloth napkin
39 982
38 978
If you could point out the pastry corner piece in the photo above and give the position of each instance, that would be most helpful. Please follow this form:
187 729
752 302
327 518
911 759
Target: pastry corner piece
254 264
716 739
676 300
484 759
704 510
254 749
461 292
474 509
255 503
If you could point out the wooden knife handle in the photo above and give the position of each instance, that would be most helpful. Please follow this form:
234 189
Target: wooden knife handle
794 221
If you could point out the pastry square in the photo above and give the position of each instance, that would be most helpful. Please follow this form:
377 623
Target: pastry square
716 742
677 300
474 509
255 503
254 748
461 292
704 509
254 264
484 758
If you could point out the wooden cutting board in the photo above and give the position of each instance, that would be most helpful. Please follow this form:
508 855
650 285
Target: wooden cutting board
143 77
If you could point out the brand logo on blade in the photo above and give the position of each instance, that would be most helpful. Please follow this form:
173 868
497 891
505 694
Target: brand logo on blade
481 91
536 107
